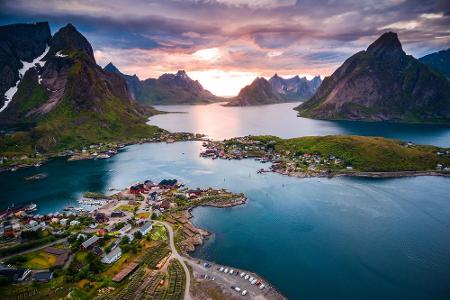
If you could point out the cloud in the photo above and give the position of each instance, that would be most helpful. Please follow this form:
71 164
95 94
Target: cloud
259 37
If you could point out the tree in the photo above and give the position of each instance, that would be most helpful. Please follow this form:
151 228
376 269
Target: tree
138 235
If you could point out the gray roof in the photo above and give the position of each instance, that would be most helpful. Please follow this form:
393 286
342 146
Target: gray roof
90 241
46 275
113 253
146 226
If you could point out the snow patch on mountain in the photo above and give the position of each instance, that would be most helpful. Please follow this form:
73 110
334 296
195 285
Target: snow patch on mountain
26 66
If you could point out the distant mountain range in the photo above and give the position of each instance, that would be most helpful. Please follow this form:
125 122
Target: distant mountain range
176 88
382 84
439 61
53 84
276 90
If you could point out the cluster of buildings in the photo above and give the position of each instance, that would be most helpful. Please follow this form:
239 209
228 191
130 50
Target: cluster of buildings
245 147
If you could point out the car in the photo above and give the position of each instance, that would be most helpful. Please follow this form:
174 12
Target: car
231 271
242 274
226 270
244 292
246 277
221 269
237 289
262 286
253 281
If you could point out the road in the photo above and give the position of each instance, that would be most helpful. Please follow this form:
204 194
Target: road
35 249
180 258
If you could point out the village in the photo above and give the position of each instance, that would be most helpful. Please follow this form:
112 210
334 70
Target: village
292 164
304 164
133 244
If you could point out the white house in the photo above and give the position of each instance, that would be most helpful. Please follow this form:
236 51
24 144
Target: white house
74 223
124 229
146 228
112 256
63 222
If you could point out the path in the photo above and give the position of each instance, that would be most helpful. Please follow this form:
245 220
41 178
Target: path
37 248
180 258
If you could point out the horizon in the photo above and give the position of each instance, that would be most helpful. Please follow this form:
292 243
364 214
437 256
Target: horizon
226 44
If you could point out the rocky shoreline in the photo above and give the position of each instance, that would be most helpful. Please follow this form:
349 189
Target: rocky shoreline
398 174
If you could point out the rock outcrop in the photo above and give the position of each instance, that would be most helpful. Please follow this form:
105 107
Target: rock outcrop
382 84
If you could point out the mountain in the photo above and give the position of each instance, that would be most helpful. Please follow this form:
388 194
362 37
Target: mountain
133 83
259 92
382 84
66 99
176 88
295 88
20 43
439 61
276 90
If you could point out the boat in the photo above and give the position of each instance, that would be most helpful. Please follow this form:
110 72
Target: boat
30 208
36 176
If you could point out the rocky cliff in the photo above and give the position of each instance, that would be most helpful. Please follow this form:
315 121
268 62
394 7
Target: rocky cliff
70 101
382 84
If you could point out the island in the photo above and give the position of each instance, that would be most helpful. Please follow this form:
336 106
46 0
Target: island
335 155
133 244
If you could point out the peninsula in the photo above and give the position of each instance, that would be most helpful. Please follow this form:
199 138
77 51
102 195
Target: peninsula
134 244
337 155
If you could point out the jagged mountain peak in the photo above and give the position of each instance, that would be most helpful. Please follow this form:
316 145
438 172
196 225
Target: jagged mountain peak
67 40
386 46
110 67
382 84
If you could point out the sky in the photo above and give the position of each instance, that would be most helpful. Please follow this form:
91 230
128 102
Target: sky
225 44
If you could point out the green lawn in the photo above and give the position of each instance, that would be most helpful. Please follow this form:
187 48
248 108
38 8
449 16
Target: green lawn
363 153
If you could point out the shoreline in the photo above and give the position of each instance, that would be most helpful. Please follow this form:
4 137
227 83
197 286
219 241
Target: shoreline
362 174
109 150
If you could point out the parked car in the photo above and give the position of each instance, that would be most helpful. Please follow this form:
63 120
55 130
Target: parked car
242 274
246 277
221 269
244 292
262 286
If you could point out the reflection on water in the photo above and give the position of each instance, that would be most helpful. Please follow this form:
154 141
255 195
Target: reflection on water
313 238
219 122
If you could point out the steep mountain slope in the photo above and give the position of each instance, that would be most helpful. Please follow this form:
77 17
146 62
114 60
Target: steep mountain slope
439 61
382 84
259 92
168 89
20 43
69 101
295 88
133 83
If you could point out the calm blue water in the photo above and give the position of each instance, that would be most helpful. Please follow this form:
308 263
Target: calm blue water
341 238
220 122
313 238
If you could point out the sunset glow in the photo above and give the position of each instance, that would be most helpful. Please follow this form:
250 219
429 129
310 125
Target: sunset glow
226 43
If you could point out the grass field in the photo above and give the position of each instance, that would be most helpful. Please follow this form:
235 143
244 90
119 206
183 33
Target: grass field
370 154
38 260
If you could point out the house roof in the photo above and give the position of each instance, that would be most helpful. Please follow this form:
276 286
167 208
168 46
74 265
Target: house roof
43 276
89 242
114 252
146 226
13 274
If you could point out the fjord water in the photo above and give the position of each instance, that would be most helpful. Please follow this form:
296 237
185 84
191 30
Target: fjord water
219 122
343 238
